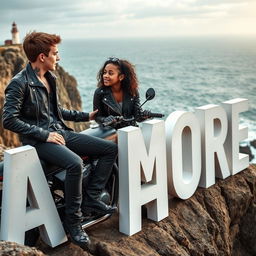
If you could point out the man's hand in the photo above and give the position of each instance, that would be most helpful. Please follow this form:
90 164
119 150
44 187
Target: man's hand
92 114
56 138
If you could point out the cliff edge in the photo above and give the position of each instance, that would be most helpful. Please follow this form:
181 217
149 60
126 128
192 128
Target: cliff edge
217 221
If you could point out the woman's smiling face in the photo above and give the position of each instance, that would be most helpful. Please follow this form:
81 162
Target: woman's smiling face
111 75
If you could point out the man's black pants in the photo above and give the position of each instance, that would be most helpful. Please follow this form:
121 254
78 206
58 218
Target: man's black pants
68 157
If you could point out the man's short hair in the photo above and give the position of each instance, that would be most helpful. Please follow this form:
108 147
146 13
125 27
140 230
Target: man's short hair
39 42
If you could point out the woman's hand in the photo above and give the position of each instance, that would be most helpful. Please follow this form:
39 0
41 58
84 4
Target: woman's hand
56 138
109 119
92 114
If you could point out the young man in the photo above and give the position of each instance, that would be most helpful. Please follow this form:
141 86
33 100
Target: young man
32 110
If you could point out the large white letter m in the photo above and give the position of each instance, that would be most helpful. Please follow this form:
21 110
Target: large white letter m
143 174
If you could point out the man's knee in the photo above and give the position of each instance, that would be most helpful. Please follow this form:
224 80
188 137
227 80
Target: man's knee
113 148
76 165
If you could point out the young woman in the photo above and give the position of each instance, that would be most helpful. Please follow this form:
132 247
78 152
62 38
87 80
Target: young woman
117 92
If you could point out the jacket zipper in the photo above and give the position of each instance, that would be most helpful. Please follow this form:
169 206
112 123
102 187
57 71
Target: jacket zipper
112 108
37 107
48 109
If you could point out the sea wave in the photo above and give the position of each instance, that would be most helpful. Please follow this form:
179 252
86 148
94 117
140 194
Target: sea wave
186 73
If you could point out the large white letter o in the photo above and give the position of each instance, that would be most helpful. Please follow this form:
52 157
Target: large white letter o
183 153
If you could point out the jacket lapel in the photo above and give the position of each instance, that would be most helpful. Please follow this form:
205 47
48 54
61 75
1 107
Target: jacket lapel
109 100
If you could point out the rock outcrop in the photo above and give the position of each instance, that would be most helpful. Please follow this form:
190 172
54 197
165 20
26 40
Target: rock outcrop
217 221
11 248
2 149
220 220
12 60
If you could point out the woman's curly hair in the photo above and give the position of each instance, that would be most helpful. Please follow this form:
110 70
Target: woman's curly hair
130 81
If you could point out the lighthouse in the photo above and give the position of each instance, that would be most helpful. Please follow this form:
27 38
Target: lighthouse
15 34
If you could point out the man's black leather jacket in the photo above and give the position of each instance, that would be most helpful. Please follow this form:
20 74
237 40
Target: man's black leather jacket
26 107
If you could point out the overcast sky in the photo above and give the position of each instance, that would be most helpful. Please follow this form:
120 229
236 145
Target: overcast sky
129 18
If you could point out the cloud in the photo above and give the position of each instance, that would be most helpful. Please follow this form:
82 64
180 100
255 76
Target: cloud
134 17
93 9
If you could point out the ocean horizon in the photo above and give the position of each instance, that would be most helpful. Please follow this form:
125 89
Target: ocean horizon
186 72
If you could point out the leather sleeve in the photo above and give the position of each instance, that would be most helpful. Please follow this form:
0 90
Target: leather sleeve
97 104
137 108
74 115
14 96
71 115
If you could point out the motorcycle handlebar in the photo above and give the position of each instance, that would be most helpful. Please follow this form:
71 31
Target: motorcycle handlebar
108 123
117 119
155 115
145 114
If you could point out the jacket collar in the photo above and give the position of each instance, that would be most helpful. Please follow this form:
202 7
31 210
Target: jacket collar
109 100
33 79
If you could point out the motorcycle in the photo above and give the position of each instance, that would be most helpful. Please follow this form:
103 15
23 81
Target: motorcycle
55 176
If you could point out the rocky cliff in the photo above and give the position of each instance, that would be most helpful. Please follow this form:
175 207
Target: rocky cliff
218 221
12 60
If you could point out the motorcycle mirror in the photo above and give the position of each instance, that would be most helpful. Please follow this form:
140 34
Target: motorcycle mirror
150 94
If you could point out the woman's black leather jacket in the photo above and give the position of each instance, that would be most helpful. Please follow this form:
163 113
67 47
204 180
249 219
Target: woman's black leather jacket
26 108
106 104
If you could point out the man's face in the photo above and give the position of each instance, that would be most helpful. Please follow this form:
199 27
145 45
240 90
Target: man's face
51 60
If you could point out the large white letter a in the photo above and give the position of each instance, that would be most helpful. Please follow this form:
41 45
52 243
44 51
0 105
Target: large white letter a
23 173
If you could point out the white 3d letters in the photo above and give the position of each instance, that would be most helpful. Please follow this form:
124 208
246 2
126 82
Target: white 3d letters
214 127
142 152
236 133
183 153
24 177
190 148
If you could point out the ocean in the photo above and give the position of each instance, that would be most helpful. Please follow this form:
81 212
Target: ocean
185 72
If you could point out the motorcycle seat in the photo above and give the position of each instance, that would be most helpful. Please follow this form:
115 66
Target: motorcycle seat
100 132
